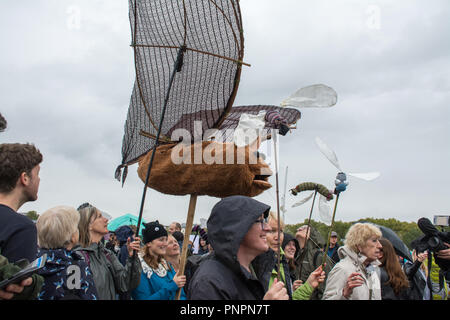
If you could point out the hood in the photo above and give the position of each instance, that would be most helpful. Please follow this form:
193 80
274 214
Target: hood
287 238
57 260
123 233
316 240
229 222
345 251
317 237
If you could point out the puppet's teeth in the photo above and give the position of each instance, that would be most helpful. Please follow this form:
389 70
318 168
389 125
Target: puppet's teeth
262 184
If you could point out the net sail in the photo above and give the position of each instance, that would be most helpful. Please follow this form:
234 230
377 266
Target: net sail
211 35
211 32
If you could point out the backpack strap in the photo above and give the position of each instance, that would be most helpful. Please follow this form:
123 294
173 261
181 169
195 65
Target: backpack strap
86 257
88 260
429 283
108 255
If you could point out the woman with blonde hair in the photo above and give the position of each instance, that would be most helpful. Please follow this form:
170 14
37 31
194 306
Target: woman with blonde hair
159 281
110 276
356 275
66 275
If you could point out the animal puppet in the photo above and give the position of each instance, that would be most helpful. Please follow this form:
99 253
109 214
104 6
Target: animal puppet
207 168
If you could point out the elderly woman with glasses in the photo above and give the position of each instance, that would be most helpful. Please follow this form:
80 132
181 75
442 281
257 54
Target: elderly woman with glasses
266 264
110 276
357 275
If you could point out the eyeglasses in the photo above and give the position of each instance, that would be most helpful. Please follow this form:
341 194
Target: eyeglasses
273 231
263 221
84 205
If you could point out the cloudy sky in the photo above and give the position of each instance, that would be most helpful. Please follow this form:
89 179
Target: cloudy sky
67 74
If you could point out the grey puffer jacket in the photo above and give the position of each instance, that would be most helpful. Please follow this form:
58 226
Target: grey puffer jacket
353 262
110 276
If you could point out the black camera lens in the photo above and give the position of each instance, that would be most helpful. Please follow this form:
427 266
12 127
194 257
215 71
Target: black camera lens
434 243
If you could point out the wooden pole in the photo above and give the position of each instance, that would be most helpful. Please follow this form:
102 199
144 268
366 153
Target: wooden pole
308 235
324 259
187 233
278 206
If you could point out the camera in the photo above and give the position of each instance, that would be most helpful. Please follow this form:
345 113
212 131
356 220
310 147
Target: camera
433 240
442 221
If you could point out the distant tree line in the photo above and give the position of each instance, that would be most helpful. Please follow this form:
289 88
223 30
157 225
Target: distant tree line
33 215
407 231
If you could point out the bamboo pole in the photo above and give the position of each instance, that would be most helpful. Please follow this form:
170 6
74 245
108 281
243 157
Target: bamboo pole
308 234
324 259
187 233
275 147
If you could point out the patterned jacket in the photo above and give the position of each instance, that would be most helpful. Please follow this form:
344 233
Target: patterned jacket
66 276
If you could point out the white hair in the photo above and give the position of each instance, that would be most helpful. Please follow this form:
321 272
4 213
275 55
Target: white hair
56 226
273 216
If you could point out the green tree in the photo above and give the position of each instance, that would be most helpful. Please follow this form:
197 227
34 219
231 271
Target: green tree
33 215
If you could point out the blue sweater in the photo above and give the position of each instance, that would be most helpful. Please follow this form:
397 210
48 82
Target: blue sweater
18 236
156 284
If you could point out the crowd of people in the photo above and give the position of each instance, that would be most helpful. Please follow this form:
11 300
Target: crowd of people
244 253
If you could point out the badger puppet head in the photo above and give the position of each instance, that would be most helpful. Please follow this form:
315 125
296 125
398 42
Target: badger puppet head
207 168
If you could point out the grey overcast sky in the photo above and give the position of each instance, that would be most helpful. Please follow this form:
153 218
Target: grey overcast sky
67 74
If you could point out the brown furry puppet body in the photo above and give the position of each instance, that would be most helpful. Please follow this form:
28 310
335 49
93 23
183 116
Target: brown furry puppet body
207 168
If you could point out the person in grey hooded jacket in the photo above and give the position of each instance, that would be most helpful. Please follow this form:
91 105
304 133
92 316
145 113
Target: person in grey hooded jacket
237 230
111 278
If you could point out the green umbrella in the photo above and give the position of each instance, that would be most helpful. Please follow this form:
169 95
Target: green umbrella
125 220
